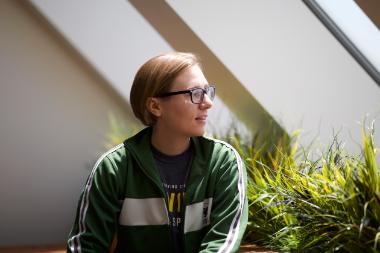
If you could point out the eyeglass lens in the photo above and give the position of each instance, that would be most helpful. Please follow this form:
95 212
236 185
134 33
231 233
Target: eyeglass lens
198 94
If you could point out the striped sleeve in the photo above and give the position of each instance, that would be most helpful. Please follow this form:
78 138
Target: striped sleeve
230 208
97 210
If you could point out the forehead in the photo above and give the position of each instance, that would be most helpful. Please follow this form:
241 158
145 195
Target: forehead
189 78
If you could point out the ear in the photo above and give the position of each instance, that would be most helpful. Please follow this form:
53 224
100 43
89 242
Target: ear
153 105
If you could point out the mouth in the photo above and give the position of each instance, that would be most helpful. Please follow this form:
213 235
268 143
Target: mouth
201 118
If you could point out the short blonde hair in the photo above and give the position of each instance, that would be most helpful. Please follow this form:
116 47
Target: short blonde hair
155 77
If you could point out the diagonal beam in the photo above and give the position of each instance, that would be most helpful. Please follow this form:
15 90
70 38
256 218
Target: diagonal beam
233 93
371 9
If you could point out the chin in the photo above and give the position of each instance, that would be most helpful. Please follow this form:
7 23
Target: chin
197 132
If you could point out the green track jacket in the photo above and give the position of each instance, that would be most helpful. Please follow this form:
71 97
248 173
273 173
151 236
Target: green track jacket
124 197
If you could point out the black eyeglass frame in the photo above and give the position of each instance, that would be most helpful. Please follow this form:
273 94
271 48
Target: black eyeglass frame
190 91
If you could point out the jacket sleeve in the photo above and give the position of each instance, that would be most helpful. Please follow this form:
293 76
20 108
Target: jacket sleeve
97 212
229 213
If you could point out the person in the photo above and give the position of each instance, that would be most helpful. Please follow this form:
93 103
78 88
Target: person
168 188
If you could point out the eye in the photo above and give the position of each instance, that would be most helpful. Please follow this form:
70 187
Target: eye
197 95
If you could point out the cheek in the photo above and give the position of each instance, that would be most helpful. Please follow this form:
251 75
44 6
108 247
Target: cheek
181 111
185 113
184 108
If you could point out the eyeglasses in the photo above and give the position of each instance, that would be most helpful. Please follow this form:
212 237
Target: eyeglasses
197 94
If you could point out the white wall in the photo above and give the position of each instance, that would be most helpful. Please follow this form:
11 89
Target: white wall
290 63
116 40
53 123
280 52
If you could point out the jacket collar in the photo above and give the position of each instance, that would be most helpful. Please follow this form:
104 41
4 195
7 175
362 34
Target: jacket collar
139 147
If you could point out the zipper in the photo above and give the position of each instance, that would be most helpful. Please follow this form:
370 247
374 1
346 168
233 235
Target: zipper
183 213
159 186
163 193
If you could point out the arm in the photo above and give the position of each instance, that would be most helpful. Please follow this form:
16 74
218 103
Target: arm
97 212
229 209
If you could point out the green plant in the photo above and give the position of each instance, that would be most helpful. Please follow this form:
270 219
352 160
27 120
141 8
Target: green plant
324 205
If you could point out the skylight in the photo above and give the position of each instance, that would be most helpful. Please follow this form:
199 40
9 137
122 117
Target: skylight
354 29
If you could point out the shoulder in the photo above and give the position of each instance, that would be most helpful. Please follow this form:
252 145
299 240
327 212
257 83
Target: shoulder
111 159
114 154
134 144
219 145
226 161
219 149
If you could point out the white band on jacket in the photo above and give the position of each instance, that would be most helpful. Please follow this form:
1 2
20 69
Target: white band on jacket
140 212
197 215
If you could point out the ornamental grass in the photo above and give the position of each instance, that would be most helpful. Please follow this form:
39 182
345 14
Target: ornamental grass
298 204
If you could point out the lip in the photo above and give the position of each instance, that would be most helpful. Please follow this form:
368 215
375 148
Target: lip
201 118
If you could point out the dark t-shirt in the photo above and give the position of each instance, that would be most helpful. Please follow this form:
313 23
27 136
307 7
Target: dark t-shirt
173 171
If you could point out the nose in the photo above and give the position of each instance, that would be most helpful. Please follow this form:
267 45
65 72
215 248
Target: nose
206 103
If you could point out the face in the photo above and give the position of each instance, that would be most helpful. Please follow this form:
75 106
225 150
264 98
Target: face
177 113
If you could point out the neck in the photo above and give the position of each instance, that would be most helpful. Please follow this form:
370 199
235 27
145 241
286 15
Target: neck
169 143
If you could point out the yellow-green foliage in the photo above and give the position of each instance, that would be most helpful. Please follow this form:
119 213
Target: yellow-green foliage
322 205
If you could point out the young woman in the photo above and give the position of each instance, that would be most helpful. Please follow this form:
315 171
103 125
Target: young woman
166 189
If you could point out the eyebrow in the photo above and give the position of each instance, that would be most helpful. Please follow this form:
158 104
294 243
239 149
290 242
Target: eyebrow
200 86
